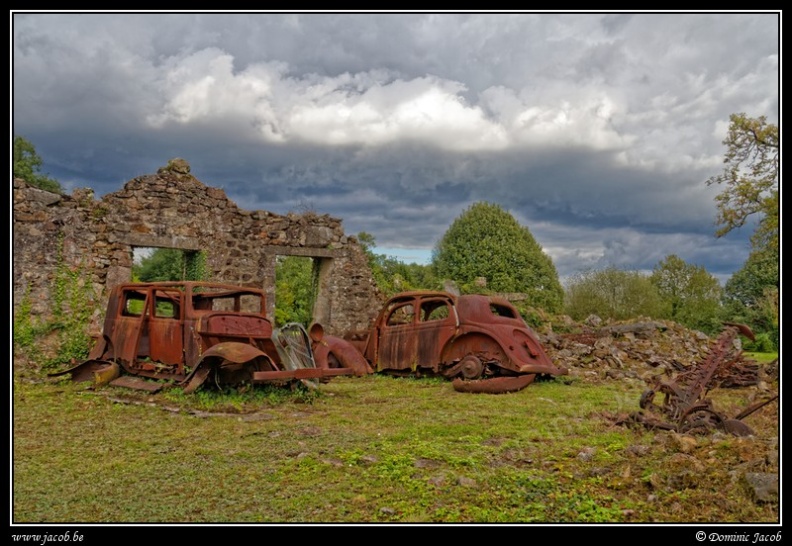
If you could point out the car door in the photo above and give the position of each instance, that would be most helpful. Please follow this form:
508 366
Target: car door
129 338
165 328
436 323
398 344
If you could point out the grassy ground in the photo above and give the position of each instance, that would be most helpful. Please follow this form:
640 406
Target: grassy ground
377 449
762 357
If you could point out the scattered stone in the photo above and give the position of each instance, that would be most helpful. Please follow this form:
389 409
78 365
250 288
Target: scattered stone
597 471
426 463
655 481
586 454
683 442
685 479
637 450
333 462
684 461
762 486
437 481
593 320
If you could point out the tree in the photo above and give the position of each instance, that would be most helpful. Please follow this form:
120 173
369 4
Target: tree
751 188
750 177
295 290
393 275
486 241
27 166
613 293
171 264
692 294
751 295
759 272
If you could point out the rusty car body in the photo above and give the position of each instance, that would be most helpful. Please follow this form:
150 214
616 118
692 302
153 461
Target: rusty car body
480 342
192 332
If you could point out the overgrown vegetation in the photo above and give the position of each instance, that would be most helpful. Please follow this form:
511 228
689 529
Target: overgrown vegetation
612 293
171 264
238 400
72 303
375 449
392 275
675 290
296 283
27 166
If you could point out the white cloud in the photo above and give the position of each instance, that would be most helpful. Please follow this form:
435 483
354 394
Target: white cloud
359 110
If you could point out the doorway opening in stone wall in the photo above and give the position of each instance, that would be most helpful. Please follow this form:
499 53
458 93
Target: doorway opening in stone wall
150 264
296 289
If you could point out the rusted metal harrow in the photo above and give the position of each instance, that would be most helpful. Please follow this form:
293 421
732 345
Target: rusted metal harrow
685 407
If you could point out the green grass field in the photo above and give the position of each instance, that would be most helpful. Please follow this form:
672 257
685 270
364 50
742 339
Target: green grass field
377 449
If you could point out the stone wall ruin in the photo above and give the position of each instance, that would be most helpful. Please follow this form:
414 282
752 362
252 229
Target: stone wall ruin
173 209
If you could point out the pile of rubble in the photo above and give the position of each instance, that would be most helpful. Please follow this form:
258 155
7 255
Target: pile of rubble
679 365
640 349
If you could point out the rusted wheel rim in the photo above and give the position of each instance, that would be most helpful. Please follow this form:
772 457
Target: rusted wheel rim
471 367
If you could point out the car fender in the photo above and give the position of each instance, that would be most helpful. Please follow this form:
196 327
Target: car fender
232 351
347 355
480 344
228 351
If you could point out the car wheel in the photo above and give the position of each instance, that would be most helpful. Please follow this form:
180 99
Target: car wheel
471 367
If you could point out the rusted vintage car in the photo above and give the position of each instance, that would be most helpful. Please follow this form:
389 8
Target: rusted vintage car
199 332
481 342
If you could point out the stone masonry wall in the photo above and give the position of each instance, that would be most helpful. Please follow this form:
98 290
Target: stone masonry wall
172 209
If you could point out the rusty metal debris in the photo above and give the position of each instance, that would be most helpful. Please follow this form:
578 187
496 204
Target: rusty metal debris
685 406
197 333
480 342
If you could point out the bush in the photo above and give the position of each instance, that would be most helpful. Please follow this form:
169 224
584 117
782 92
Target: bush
612 293
486 241
763 344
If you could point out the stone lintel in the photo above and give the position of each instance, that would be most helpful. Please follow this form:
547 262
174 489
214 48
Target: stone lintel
148 240
310 252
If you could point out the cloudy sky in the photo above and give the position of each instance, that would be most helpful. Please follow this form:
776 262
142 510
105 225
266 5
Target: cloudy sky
596 131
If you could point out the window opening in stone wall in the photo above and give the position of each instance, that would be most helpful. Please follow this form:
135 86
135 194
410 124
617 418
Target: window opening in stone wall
168 264
296 287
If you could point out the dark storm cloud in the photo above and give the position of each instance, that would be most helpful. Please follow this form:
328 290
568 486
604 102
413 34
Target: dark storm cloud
597 131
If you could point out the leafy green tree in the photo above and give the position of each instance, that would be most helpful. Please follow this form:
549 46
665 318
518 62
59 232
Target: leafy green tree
751 184
751 295
393 275
295 290
27 166
693 295
750 177
613 293
486 241
759 272
170 264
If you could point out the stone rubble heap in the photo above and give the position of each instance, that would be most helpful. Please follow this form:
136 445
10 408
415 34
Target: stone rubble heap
640 349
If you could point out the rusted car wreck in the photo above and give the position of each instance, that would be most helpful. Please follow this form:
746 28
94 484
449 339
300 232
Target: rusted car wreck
198 332
480 342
